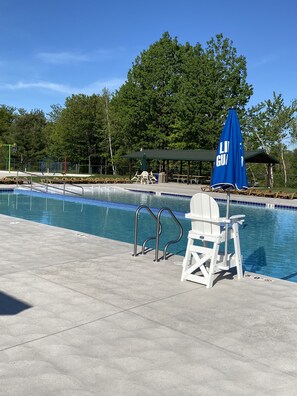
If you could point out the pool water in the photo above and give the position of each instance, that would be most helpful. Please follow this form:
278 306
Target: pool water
268 242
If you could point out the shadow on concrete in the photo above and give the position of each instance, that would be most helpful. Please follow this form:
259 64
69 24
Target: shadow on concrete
10 305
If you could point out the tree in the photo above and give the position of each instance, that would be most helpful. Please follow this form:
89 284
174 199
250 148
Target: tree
269 125
225 85
78 131
54 142
213 80
7 117
188 130
145 104
177 96
28 132
54 115
107 121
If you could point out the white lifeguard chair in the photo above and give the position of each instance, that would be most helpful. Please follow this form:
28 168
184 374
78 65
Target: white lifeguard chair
203 261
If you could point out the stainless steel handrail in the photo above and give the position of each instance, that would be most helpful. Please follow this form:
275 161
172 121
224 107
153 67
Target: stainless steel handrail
136 229
158 234
158 231
46 185
70 191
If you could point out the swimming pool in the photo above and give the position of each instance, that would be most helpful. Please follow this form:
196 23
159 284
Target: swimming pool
268 242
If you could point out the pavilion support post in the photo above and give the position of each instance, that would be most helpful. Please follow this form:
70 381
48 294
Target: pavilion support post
188 173
166 171
181 168
130 165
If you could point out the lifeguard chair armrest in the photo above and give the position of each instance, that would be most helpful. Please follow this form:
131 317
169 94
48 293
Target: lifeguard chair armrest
218 220
237 218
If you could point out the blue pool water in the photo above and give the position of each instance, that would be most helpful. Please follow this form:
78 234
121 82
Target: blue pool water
268 240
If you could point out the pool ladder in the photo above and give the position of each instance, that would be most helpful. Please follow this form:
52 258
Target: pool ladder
158 231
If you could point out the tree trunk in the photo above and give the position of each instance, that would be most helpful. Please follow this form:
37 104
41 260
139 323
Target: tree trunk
270 176
90 165
114 170
284 165
253 175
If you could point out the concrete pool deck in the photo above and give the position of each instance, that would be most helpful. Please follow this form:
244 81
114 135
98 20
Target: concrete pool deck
80 316
191 189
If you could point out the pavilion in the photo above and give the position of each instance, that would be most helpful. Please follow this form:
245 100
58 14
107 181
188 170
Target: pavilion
199 156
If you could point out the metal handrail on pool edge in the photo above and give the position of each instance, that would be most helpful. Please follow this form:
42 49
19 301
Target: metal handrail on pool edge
46 185
158 234
158 231
136 228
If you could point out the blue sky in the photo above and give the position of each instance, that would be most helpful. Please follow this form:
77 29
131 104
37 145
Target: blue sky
52 49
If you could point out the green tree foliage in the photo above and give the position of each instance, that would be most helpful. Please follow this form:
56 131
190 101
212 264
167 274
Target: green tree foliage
28 132
189 128
78 132
213 80
7 117
225 84
271 125
54 115
291 163
145 104
176 95
55 148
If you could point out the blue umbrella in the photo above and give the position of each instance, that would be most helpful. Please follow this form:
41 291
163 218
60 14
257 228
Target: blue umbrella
229 169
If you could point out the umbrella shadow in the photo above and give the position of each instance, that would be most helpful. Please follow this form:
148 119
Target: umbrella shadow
257 260
11 306
290 276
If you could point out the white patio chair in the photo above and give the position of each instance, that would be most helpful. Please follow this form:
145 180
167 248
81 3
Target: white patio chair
144 177
136 178
203 261
152 178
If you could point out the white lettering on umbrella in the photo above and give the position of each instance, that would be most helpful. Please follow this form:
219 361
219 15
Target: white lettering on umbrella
241 157
222 158
224 147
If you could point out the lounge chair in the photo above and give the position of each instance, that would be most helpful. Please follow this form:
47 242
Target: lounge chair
284 195
203 260
207 188
270 194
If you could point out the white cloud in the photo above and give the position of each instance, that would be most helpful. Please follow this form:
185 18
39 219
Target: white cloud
58 58
95 87
98 86
39 85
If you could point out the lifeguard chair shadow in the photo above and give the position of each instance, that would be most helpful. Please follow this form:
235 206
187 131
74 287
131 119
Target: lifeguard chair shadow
202 262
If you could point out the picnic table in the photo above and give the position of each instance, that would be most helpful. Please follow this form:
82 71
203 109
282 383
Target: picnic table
198 179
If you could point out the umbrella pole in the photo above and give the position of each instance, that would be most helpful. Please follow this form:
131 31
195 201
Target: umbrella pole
227 228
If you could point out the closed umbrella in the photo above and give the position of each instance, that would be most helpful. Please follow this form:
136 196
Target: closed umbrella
143 163
229 168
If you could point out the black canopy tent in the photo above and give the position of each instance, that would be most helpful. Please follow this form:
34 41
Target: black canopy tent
251 156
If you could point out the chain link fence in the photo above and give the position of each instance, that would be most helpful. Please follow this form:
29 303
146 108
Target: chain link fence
257 175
